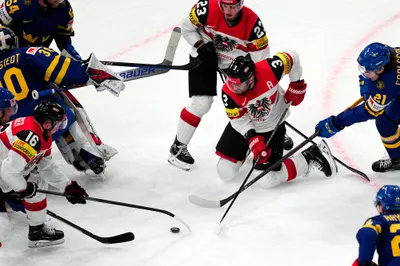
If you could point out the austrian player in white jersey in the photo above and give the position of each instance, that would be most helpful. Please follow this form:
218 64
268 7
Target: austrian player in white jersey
254 101
218 31
27 164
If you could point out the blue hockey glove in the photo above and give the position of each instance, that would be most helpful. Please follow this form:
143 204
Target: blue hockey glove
327 127
70 52
364 86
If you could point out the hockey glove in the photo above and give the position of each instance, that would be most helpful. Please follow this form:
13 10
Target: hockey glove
206 52
296 92
70 52
76 193
28 192
257 146
364 86
327 127
103 78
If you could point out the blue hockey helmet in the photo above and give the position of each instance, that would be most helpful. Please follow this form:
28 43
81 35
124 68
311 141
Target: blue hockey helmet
8 39
388 197
373 56
7 100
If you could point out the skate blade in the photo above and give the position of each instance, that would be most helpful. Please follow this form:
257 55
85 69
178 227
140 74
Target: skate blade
45 243
179 164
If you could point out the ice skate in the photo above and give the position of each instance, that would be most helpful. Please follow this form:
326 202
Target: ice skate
180 156
320 157
44 235
385 164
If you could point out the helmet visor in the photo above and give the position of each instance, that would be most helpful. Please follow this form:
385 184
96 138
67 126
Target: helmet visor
59 125
236 86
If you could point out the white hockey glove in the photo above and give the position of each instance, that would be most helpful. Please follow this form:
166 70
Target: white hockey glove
103 78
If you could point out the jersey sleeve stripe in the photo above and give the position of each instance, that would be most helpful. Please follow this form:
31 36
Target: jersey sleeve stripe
63 71
50 69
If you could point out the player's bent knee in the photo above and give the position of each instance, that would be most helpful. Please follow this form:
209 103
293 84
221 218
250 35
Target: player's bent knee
200 105
270 180
227 169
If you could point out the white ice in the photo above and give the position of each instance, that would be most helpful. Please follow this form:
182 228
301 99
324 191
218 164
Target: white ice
306 222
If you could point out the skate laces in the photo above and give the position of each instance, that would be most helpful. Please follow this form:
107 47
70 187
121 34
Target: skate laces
316 164
48 229
385 163
182 149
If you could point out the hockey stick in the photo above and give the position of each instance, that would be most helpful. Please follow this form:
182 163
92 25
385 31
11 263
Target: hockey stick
189 66
125 237
219 203
118 203
336 159
134 73
255 163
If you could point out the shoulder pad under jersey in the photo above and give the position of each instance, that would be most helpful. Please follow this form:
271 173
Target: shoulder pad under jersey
199 13
27 144
281 64
231 107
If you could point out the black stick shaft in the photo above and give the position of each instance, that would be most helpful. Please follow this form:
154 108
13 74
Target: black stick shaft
105 240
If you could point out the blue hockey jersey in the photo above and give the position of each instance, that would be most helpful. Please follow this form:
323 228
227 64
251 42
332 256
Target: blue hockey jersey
37 26
33 68
381 232
381 93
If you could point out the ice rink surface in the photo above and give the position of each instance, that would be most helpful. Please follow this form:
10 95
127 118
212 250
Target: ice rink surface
310 221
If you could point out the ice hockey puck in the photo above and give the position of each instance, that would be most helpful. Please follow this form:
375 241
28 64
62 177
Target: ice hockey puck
175 230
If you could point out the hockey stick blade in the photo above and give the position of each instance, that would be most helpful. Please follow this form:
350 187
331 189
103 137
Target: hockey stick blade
196 200
125 237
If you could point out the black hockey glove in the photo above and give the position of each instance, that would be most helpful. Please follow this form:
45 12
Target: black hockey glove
28 192
75 193
207 52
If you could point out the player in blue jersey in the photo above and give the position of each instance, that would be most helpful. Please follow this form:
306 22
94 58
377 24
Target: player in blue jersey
379 65
39 22
34 68
382 232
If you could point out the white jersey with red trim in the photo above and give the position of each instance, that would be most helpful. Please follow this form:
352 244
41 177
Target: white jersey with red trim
23 148
261 107
206 22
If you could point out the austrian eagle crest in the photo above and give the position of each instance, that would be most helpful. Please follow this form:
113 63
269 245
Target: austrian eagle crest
223 43
260 108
